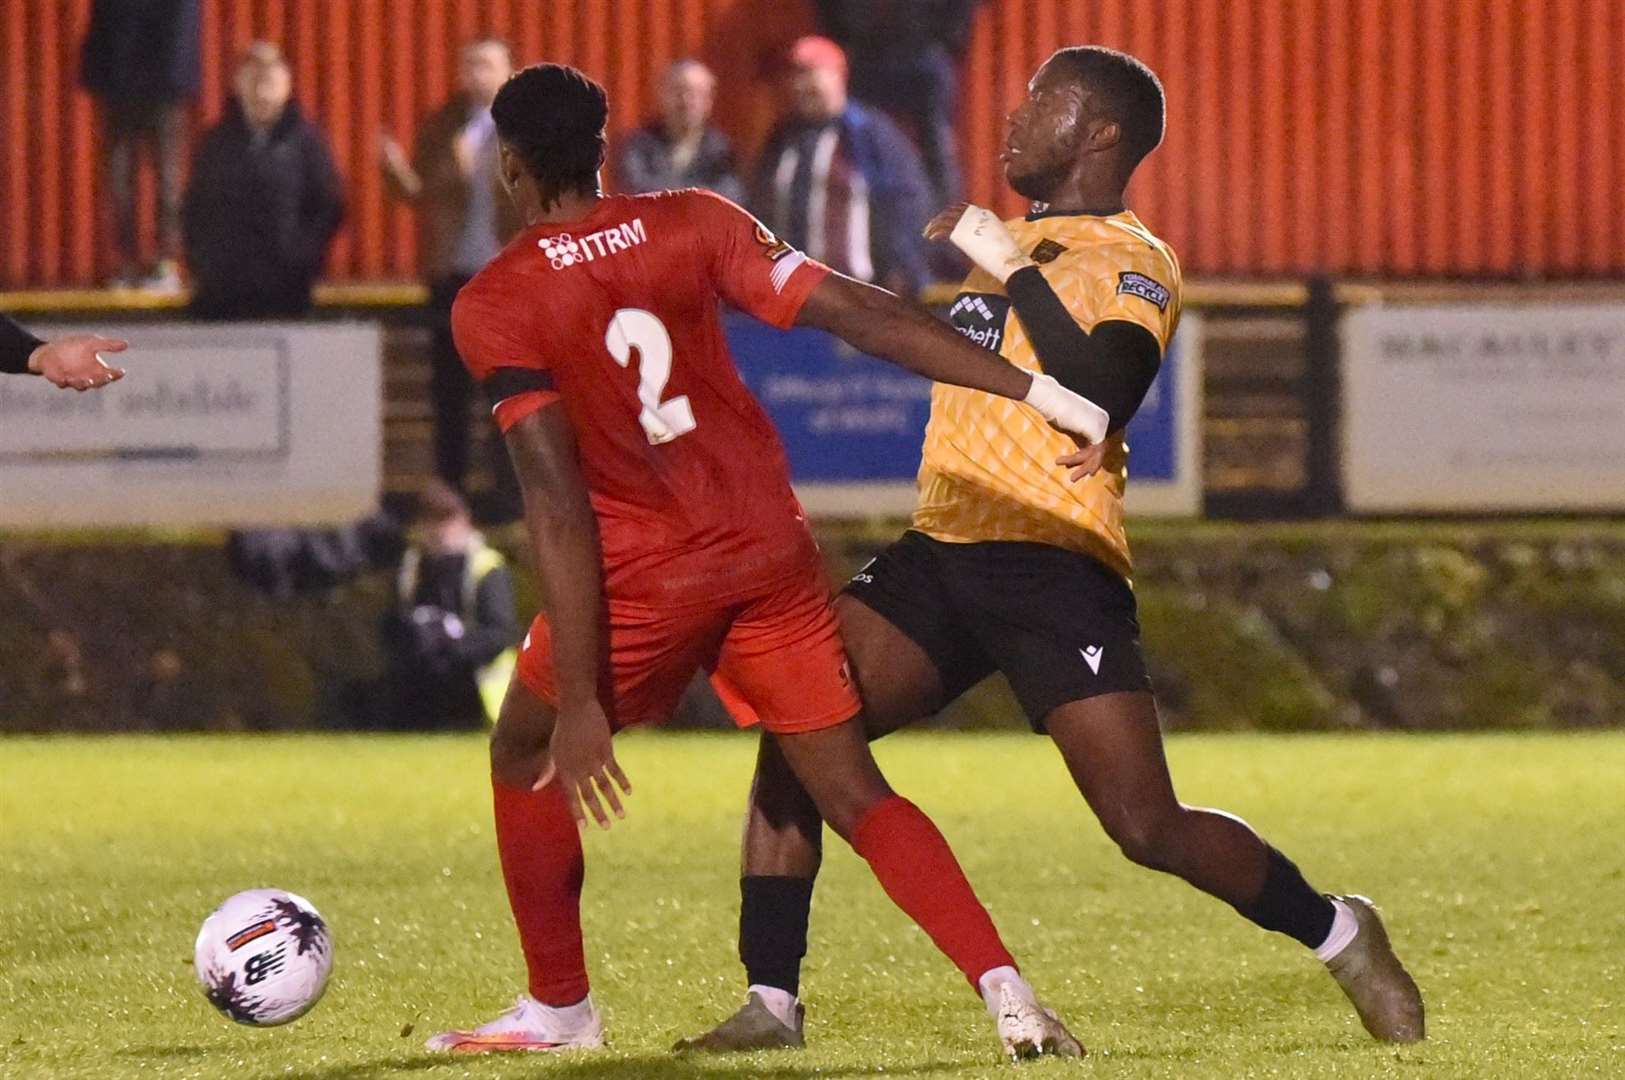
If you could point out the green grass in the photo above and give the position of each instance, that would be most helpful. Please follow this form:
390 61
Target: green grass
1499 860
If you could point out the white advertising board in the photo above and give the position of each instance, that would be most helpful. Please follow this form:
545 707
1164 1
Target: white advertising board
228 425
1484 408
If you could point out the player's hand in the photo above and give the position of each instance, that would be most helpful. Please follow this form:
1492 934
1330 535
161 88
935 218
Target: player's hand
1065 410
940 226
584 758
392 155
465 151
980 234
71 362
1084 461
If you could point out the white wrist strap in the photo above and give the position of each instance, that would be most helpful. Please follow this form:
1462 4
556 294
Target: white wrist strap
1072 413
981 235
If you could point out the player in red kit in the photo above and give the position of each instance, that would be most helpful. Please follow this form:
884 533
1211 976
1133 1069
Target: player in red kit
658 500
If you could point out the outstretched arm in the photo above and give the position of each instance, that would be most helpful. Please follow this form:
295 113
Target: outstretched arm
1112 365
759 273
874 321
564 538
68 362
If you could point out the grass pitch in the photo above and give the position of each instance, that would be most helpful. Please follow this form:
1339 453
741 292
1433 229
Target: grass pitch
1498 859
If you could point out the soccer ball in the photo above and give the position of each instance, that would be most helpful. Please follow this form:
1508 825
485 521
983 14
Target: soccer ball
263 957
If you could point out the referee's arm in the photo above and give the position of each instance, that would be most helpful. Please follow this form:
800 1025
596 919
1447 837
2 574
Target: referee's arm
68 362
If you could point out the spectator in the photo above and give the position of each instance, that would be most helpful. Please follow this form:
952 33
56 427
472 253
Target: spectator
464 219
141 61
680 149
264 200
905 58
451 642
840 181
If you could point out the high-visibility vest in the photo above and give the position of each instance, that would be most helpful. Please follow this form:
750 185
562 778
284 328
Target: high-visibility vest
493 678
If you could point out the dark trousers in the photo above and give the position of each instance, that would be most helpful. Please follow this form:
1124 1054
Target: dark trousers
919 88
452 393
160 128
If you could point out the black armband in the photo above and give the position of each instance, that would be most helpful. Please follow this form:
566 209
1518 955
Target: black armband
507 382
1113 366
16 346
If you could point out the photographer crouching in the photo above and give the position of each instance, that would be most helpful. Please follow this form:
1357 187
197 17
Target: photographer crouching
451 640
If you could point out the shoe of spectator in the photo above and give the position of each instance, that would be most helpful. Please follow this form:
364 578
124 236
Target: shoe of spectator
165 277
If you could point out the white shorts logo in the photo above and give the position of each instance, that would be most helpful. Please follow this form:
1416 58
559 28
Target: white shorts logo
1091 656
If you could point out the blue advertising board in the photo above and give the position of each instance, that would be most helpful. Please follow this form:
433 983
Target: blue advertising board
852 425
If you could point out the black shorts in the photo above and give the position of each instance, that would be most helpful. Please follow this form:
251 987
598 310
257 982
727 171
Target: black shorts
1060 625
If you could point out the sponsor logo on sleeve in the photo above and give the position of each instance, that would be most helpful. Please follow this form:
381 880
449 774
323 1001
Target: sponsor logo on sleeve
774 248
1145 288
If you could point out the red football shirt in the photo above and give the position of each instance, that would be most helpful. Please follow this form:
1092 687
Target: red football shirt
617 316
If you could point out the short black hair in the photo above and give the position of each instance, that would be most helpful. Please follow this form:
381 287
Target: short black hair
1130 91
552 116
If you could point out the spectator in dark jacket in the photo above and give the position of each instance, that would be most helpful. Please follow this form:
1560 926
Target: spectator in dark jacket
840 181
464 219
680 148
905 58
141 61
263 203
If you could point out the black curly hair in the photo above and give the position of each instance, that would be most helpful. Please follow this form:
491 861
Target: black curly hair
552 116
1130 91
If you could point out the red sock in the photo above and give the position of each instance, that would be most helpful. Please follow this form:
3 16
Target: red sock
542 865
919 872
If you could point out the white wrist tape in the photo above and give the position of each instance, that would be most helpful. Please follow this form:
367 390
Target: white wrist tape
1072 413
982 236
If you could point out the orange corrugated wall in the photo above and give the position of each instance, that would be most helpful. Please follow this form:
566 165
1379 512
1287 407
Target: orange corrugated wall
1371 137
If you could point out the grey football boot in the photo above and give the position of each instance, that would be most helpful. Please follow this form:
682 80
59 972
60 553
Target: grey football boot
1383 992
753 1027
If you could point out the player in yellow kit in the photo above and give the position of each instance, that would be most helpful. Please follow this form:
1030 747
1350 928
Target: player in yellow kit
1014 565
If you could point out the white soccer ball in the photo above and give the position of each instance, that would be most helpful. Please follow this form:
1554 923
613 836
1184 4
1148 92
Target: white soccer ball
263 957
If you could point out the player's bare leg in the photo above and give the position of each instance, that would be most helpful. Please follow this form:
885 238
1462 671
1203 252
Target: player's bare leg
540 848
914 865
1112 745
782 848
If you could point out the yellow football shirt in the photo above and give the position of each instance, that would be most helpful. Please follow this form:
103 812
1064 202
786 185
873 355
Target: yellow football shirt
988 469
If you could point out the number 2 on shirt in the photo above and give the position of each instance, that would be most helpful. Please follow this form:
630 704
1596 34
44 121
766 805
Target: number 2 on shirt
634 328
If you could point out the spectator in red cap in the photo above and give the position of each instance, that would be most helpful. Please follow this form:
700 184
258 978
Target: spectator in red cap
905 59
840 181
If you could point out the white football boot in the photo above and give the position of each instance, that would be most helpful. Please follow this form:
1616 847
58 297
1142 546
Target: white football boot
528 1026
1027 1029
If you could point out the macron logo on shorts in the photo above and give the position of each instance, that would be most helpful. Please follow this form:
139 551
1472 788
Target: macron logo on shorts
1091 656
565 250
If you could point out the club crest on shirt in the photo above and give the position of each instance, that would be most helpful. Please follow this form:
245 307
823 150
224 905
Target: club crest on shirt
1145 288
774 248
1047 251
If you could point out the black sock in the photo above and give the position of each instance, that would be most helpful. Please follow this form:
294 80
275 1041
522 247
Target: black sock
773 929
1288 905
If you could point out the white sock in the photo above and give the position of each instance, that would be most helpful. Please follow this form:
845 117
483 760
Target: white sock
568 1017
990 983
1342 933
781 1003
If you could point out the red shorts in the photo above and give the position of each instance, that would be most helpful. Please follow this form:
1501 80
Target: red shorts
775 659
